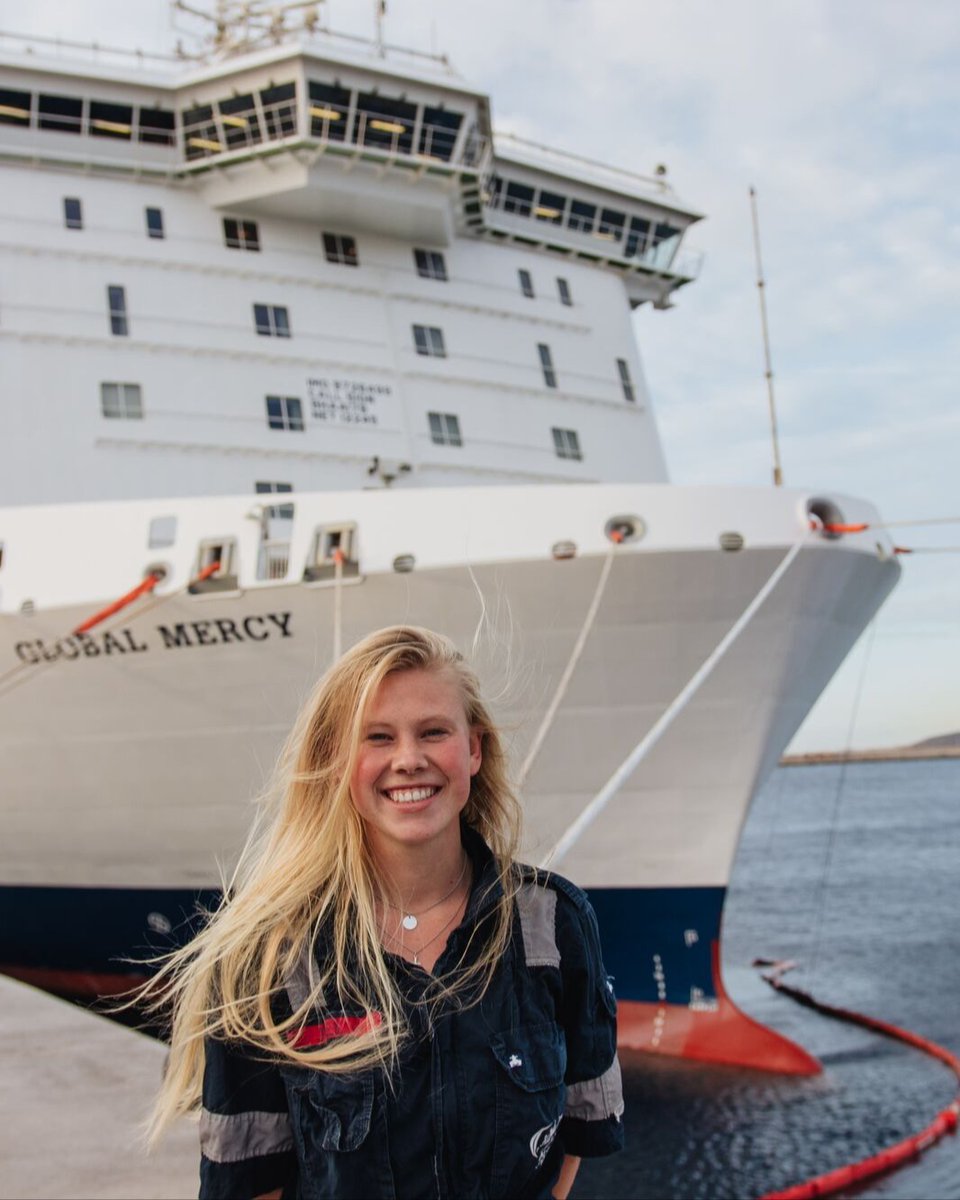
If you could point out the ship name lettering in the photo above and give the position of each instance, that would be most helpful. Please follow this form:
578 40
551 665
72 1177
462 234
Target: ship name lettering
85 645
219 630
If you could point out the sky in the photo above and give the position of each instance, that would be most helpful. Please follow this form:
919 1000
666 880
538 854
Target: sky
842 114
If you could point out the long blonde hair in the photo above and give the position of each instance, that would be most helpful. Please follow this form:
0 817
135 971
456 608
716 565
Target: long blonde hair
307 866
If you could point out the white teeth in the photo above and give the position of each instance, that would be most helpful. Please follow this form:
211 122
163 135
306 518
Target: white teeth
409 795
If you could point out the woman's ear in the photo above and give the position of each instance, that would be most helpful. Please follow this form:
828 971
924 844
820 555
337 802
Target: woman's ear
476 750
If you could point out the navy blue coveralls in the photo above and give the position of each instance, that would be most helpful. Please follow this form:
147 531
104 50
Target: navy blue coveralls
486 1101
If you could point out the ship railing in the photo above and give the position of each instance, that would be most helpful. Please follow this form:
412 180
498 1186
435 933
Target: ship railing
273 560
618 178
660 255
215 132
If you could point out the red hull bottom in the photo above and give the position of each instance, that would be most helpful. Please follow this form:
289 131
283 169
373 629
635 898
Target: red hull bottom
716 1031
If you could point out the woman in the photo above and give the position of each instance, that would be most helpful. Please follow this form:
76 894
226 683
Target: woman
387 1005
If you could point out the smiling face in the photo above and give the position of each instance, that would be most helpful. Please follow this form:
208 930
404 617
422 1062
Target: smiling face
417 755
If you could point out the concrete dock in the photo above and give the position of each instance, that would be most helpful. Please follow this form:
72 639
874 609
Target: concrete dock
74 1090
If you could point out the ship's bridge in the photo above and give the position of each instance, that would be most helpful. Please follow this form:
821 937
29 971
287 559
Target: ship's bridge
365 144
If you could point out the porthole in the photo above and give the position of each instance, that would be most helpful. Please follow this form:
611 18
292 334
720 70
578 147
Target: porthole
27 608
625 528
731 541
563 550
161 570
404 563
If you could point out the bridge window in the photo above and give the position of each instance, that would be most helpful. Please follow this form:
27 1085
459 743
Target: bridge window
285 412
157 126
546 363
564 289
582 216
121 400
200 132
629 392
154 222
637 237
239 121
14 107
329 111
271 320
241 235
428 340
566 443
550 207
117 304
72 212
430 264
438 133
611 224
386 124
110 120
280 109
519 199
341 249
445 429
63 113
526 283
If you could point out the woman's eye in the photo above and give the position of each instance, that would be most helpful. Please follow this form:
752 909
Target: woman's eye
435 733
378 737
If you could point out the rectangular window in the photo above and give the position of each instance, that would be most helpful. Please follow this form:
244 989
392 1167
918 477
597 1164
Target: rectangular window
117 303
239 121
121 400
629 393
564 289
14 107
271 320
445 429
430 264
438 133
582 216
611 224
526 283
155 222
550 206
284 412
429 341
518 199
546 362
241 235
110 120
637 237
566 443
72 212
329 111
157 126
340 249
64 113
279 103
283 512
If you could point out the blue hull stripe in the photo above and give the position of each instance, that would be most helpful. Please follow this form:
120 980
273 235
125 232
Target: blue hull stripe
101 929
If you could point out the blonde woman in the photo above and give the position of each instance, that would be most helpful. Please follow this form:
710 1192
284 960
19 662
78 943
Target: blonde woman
387 1005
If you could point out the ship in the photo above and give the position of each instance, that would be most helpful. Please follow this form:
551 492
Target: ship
295 346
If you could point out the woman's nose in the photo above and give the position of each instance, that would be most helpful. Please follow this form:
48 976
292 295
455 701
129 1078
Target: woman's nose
408 755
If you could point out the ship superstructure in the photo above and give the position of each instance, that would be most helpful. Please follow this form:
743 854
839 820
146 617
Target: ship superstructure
311 273
296 270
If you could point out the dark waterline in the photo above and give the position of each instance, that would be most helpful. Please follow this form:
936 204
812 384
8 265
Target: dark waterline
858 883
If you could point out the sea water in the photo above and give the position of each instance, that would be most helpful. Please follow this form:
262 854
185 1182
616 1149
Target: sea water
853 871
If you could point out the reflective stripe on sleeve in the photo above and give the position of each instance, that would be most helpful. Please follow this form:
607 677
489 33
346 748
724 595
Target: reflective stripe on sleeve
226 1138
596 1099
538 924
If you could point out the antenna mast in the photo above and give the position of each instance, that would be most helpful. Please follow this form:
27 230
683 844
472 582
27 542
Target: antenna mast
380 8
777 472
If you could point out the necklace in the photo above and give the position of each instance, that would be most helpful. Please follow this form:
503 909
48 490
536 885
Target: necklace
410 920
398 940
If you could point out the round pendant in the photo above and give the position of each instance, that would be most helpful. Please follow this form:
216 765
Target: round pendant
409 921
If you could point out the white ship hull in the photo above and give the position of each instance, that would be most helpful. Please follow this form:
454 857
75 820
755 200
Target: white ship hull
131 756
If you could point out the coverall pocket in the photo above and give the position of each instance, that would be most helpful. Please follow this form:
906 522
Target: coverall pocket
329 1112
531 1063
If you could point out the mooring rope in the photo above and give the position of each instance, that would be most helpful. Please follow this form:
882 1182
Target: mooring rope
599 802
